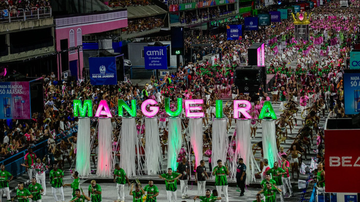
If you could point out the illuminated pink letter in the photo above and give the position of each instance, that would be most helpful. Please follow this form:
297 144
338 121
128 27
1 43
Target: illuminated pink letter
188 108
242 110
153 109
100 112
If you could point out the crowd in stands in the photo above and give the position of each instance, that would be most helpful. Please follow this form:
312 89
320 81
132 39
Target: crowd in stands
203 15
127 3
143 24
14 7
313 87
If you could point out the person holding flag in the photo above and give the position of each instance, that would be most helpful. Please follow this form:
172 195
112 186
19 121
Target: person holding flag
221 183
56 182
75 184
170 183
120 178
137 193
80 197
152 192
94 191
208 197
276 173
35 189
5 178
23 194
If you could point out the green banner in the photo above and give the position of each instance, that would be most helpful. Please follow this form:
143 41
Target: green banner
223 2
187 6
283 14
245 10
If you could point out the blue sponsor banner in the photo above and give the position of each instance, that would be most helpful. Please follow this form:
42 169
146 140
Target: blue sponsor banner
275 16
251 23
234 32
355 60
283 14
352 93
296 8
103 71
155 57
311 4
264 19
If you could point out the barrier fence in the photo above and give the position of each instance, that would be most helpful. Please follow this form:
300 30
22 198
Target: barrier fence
13 163
23 15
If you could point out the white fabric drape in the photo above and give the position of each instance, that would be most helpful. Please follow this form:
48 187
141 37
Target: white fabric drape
104 163
269 141
196 138
174 142
152 146
220 141
83 148
243 148
128 144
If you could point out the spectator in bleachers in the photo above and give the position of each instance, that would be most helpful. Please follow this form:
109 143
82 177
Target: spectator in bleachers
143 24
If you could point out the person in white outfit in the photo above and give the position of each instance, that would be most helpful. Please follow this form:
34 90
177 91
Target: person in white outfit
56 182
119 178
183 168
221 183
170 183
200 178
5 178
40 169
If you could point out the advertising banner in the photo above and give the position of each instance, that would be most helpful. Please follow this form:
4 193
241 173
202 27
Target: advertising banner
174 8
342 158
234 32
264 19
102 71
222 2
283 14
275 16
352 93
355 60
204 4
269 2
15 98
296 8
155 57
187 6
251 23
311 4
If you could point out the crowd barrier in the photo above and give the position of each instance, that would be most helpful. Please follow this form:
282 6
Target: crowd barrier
13 163
23 15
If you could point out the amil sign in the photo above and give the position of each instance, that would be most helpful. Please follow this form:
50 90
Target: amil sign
155 57
355 60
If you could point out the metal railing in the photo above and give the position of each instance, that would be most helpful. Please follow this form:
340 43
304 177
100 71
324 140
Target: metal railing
13 163
23 15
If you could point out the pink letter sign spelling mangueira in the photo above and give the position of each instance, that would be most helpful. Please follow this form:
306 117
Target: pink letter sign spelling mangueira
188 108
153 109
193 109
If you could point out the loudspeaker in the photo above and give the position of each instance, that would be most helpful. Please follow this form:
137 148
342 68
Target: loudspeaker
262 74
120 68
37 96
177 41
247 79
